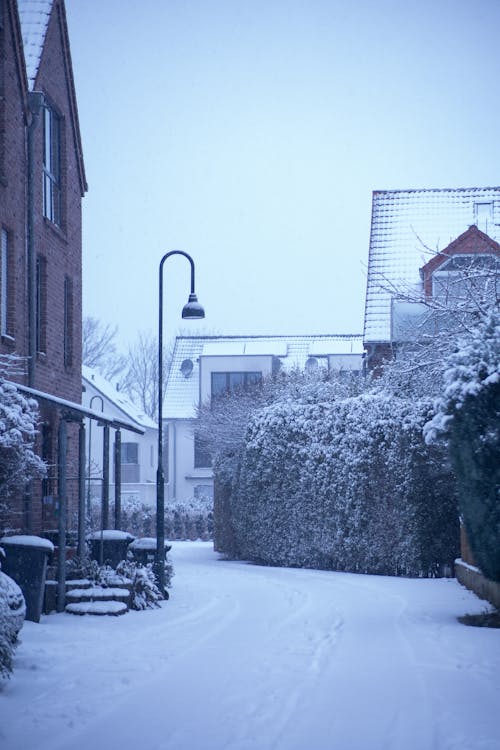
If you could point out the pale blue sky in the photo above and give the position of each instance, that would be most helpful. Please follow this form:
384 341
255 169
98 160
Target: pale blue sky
252 133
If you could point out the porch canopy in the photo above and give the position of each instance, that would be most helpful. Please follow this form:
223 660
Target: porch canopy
70 411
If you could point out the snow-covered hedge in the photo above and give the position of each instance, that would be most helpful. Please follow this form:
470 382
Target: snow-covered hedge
468 415
12 612
192 519
18 461
346 484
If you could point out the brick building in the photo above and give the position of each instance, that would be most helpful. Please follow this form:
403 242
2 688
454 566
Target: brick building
42 182
414 235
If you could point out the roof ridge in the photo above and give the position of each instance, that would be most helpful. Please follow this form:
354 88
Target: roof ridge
191 337
437 190
34 17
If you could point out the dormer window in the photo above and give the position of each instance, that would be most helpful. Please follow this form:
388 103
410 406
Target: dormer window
483 216
52 166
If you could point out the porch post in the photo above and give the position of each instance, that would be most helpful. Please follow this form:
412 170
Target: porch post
61 482
118 479
81 490
105 478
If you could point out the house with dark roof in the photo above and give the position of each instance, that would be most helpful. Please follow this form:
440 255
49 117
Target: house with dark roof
203 366
421 241
434 260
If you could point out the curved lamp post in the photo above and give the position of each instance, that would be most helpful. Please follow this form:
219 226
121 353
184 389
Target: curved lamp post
192 310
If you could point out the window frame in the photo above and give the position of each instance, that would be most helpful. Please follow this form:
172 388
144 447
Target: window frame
249 378
6 296
52 153
201 456
68 322
41 304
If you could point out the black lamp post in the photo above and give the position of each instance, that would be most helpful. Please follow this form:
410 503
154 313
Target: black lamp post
192 310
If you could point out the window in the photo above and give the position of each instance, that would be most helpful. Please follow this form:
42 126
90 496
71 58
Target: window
483 214
52 166
68 322
4 283
41 303
204 492
130 462
130 453
202 457
227 382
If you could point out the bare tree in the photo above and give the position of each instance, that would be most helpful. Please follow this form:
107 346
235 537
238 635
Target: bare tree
100 349
428 322
140 378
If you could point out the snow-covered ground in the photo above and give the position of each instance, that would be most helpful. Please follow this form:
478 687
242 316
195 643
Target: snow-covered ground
252 658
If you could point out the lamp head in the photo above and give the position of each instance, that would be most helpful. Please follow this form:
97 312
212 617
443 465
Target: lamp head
192 309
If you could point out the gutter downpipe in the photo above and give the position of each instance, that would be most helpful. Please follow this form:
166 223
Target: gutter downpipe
36 102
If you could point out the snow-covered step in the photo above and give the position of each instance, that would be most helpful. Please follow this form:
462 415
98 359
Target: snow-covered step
97 608
98 594
79 583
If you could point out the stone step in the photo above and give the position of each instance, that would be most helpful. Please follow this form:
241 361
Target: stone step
98 594
102 608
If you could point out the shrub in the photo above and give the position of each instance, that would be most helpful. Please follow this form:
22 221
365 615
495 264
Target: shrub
144 594
345 484
12 612
468 416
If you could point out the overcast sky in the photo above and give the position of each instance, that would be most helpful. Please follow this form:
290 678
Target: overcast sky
251 133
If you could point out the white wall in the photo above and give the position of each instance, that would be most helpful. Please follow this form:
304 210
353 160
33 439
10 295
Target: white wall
183 477
145 488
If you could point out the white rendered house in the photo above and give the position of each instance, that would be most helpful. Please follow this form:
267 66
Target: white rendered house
203 366
138 450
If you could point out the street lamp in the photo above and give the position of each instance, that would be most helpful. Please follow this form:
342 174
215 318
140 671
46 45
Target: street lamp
192 310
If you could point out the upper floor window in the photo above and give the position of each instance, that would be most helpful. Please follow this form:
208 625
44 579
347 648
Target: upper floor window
68 322
41 303
52 166
228 382
4 282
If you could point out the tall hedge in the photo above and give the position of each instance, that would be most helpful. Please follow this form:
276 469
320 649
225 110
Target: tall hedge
469 416
346 485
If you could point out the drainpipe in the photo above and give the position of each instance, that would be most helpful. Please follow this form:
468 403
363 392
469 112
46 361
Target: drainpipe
174 459
118 479
36 102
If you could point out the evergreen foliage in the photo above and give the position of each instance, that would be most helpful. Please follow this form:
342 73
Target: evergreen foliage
18 461
469 417
12 611
327 476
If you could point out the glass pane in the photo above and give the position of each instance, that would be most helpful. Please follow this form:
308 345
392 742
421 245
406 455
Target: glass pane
236 380
219 383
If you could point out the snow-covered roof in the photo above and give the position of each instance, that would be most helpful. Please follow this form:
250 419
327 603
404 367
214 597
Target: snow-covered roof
116 397
408 228
182 391
34 16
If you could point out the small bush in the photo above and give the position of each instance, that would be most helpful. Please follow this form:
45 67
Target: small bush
12 611
145 594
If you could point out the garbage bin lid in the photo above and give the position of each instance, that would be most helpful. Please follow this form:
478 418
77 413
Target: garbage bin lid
108 534
147 542
26 540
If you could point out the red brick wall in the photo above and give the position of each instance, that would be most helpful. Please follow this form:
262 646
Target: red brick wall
60 246
13 174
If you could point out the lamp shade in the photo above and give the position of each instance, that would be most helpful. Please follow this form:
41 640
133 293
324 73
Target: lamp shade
192 309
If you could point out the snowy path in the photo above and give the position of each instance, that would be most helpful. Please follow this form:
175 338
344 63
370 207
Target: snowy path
251 658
